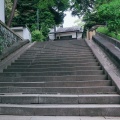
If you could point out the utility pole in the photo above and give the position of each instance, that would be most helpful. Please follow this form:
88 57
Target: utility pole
38 27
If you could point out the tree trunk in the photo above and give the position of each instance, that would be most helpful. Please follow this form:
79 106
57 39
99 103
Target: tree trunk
12 13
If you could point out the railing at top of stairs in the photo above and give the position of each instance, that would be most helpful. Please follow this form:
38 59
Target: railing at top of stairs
7 37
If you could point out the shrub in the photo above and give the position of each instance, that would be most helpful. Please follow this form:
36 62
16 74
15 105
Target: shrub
105 31
37 36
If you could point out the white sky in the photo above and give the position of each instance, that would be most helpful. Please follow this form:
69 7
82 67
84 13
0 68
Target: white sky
69 20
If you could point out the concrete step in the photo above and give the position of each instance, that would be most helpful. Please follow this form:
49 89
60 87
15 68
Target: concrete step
59 90
57 50
9 69
58 83
55 65
57 58
61 110
59 99
53 78
59 53
16 117
80 50
54 73
52 56
53 48
52 62
63 49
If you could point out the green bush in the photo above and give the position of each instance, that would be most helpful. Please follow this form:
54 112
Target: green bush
110 13
105 31
37 36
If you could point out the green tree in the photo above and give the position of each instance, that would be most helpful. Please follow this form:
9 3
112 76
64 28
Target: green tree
56 8
50 13
110 13
46 21
26 13
81 7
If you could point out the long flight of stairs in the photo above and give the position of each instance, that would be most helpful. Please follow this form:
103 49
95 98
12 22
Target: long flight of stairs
60 78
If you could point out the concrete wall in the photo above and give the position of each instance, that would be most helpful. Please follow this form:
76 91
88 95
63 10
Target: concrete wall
51 34
2 11
19 33
67 34
23 32
26 34
79 35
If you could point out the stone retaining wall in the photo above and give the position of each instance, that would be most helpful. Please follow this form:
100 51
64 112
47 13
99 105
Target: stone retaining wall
13 48
9 41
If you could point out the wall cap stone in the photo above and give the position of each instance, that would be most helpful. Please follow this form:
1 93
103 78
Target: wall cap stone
110 39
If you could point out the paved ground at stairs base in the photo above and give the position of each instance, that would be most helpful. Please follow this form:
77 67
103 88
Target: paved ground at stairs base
6 117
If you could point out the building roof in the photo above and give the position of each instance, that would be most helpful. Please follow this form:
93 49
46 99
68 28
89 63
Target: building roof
69 29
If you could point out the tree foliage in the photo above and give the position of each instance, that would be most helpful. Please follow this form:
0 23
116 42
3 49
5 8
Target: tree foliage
80 7
99 12
37 36
110 13
26 13
55 7
51 12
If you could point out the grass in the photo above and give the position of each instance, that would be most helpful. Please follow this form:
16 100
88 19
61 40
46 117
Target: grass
105 31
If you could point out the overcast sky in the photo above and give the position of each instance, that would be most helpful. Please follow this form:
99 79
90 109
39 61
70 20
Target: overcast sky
69 20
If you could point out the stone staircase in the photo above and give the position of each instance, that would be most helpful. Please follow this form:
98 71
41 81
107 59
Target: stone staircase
60 78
